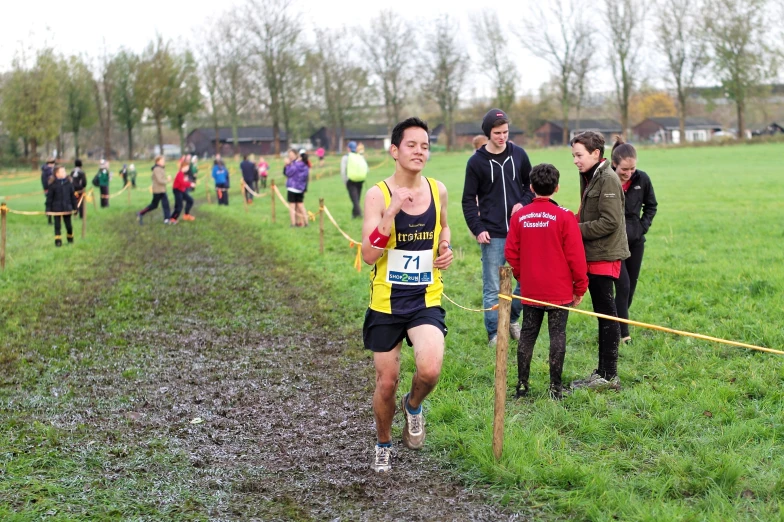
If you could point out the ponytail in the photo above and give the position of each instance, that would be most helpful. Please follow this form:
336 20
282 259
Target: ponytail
622 150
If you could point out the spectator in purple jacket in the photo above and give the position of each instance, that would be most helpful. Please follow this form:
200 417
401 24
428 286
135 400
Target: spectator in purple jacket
296 171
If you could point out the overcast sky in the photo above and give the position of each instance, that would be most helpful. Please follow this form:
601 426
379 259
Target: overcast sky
81 26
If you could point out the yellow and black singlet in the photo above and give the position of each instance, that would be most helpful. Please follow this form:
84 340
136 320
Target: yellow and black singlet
404 279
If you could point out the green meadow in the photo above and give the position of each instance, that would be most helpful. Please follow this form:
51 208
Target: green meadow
695 434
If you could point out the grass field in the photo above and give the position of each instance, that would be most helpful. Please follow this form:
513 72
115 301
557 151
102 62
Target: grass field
694 435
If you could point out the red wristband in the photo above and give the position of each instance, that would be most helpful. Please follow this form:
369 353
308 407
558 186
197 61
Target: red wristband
378 240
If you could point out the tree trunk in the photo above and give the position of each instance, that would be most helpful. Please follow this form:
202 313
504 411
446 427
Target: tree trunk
235 137
107 140
217 136
34 153
76 144
182 140
682 116
160 133
130 143
741 120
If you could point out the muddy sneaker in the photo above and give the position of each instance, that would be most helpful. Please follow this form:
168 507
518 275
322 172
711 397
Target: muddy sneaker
493 341
522 390
413 427
514 331
602 384
381 462
582 383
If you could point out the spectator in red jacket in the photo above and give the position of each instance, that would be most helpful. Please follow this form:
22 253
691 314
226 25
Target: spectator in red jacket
182 183
545 250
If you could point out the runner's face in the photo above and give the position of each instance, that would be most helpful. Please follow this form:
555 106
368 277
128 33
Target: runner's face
626 168
413 150
584 160
499 135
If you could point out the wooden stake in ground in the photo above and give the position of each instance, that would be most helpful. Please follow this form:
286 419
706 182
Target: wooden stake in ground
3 214
501 351
321 225
272 198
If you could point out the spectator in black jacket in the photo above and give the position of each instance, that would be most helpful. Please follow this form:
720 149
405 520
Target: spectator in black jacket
61 198
250 175
47 171
496 186
79 182
639 198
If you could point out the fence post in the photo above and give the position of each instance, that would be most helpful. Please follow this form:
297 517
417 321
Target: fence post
501 351
321 225
3 214
84 215
272 197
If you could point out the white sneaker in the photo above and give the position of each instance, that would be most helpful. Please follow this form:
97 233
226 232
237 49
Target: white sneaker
493 341
413 427
514 331
382 461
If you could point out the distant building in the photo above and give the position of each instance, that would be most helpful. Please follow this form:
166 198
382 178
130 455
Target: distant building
372 136
667 129
551 132
170 151
251 140
465 132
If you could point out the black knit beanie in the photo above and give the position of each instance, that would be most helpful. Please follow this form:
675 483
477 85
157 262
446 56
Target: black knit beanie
491 117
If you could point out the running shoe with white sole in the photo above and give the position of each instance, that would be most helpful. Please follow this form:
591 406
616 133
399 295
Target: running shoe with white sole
413 428
382 461
514 331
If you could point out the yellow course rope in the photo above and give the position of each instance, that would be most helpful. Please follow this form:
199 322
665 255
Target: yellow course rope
252 192
645 325
38 213
110 196
352 243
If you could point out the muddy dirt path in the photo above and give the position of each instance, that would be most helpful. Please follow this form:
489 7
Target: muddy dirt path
274 418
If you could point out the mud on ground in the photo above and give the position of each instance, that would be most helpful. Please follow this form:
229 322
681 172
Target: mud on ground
273 417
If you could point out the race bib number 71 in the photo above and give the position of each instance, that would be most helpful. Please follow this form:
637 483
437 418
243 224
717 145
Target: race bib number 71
410 267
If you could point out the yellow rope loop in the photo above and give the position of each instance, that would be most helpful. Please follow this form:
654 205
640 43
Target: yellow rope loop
464 308
332 219
311 216
253 193
280 196
651 326
110 196
374 167
358 259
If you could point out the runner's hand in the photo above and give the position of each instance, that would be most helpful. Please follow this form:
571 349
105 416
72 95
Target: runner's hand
577 300
517 207
483 238
399 197
445 256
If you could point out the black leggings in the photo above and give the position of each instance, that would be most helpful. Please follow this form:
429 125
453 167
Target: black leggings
627 283
601 289
104 196
161 198
532 322
68 228
179 196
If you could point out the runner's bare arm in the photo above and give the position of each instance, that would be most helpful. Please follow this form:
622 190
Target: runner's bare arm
445 256
376 215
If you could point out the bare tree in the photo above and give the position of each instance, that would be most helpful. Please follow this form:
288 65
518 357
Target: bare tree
491 41
445 66
676 29
156 82
186 93
389 46
210 69
233 79
582 65
127 106
625 19
740 56
103 90
274 35
341 82
554 34
79 108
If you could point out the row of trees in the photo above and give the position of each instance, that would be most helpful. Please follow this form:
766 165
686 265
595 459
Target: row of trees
53 94
249 67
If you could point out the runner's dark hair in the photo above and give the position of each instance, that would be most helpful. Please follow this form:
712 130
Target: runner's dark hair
544 179
400 128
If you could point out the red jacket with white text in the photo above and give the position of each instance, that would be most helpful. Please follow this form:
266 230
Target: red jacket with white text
545 250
